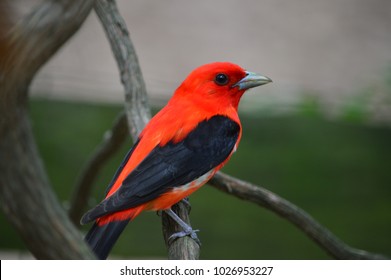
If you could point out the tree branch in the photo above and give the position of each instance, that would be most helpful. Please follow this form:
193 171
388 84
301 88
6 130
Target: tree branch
182 248
265 198
112 141
25 193
136 101
136 105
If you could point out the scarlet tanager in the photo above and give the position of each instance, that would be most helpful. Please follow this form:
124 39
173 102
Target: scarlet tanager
178 151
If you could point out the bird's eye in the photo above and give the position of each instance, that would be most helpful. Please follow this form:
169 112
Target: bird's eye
221 79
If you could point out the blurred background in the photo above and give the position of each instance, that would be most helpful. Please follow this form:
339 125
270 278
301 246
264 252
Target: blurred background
318 136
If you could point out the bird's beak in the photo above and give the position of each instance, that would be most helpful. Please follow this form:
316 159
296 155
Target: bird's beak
252 80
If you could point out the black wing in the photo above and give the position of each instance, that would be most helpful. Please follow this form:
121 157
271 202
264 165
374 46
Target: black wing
123 163
173 165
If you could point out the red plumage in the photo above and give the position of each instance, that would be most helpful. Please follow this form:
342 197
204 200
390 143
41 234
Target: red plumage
180 149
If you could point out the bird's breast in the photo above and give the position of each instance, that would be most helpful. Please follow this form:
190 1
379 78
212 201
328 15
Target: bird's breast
166 200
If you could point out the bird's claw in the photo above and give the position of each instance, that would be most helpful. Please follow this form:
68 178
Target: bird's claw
191 233
187 229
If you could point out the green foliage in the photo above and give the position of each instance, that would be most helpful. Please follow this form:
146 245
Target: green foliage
336 171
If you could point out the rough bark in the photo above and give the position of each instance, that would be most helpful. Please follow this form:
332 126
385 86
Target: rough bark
183 248
136 100
25 193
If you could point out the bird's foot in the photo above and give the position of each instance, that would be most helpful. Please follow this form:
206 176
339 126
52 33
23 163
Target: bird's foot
187 230
191 233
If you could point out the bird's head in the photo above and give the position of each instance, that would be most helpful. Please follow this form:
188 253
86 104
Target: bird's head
219 82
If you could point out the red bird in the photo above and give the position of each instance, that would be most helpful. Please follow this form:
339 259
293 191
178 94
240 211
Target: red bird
178 151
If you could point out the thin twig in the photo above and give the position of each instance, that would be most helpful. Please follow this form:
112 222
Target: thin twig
265 198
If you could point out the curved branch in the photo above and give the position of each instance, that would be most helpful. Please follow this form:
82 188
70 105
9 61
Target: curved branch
136 105
25 193
136 101
265 198
112 141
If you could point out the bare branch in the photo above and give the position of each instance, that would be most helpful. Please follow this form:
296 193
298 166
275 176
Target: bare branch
265 198
25 193
136 105
112 141
136 102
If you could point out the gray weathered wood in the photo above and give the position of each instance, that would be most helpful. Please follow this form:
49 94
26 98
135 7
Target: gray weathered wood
25 193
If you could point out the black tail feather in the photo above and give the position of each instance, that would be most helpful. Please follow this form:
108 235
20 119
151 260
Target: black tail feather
102 238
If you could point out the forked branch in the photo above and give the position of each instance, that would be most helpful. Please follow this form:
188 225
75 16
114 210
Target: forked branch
138 114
